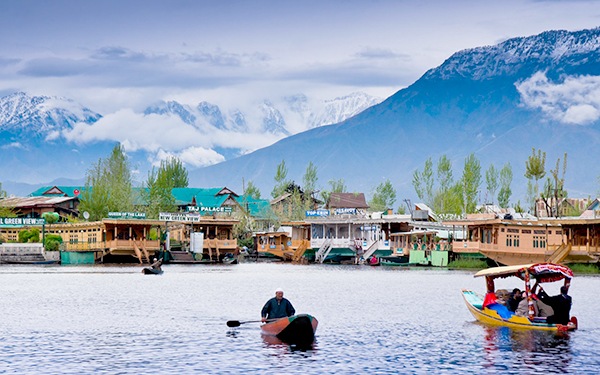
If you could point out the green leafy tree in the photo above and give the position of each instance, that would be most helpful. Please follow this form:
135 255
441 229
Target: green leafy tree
423 182
108 186
470 182
383 198
491 179
309 184
535 170
281 182
252 191
174 171
444 174
335 186
158 194
554 189
505 178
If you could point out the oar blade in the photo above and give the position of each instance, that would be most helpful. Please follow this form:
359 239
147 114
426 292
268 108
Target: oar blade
233 323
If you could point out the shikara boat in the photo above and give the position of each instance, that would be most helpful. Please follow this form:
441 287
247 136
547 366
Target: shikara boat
294 330
540 273
152 271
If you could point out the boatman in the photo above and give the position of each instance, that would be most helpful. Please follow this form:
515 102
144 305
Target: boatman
277 307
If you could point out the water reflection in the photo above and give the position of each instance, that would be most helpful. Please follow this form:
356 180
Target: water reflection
534 350
274 342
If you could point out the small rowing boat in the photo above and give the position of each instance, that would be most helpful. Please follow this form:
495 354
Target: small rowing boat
294 330
152 271
490 313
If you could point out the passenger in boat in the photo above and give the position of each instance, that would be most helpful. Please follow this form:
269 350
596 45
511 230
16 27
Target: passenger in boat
491 302
277 307
543 310
514 299
561 304
523 307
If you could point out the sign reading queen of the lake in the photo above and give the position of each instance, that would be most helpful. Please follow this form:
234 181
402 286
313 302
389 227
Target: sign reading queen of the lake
21 221
127 215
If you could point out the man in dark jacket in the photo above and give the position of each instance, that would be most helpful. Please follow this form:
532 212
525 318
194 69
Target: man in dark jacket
561 304
277 307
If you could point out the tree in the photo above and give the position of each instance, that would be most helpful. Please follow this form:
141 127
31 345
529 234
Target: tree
535 170
470 182
423 182
309 182
281 181
158 194
491 179
444 174
384 197
108 186
3 193
252 191
336 186
506 176
554 189
174 172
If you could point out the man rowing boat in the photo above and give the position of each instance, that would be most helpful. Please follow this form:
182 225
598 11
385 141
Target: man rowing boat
277 307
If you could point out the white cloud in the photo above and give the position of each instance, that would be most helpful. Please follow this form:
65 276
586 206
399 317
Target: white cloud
192 156
13 145
576 100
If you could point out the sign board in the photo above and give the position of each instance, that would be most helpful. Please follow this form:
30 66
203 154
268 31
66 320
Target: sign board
203 209
21 221
126 215
310 213
345 211
179 216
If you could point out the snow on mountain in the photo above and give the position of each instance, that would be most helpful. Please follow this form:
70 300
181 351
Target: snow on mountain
342 108
41 115
549 48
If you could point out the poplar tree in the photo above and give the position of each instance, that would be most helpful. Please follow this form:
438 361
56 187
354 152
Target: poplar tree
469 183
505 177
491 179
535 170
108 186
281 182
384 197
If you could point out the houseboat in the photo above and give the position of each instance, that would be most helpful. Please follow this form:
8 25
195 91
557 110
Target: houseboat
513 241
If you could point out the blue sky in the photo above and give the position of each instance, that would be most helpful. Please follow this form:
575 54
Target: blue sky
118 57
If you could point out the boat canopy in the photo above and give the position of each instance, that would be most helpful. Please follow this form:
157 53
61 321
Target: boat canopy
541 272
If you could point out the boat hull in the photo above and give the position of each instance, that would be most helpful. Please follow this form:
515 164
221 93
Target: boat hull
394 260
295 330
151 271
491 317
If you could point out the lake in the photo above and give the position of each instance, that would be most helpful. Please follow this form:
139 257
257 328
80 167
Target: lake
377 320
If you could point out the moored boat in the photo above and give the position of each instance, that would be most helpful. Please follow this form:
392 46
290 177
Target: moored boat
294 330
394 260
487 313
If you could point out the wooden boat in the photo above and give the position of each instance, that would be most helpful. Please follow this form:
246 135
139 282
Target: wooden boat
152 271
541 273
394 260
294 330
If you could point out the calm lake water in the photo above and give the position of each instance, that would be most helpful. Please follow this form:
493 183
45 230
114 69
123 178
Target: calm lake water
376 320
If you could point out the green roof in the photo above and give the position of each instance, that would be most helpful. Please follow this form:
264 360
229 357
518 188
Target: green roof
58 191
259 208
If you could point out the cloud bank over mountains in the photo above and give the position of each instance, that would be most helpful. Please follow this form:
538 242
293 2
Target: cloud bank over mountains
575 100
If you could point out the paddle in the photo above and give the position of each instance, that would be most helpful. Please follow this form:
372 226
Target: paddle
237 323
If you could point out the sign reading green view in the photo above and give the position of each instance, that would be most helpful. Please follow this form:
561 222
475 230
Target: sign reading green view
127 215
21 221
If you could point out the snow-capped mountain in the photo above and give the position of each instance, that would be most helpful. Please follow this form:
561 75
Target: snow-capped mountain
39 134
497 102
41 114
274 118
